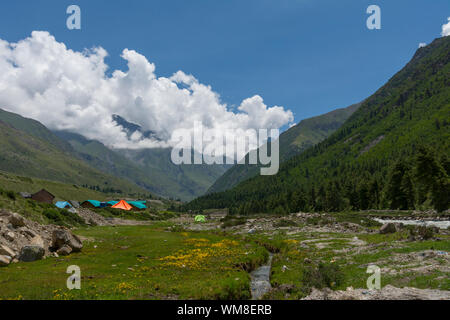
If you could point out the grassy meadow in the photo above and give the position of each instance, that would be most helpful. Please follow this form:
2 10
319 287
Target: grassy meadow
141 262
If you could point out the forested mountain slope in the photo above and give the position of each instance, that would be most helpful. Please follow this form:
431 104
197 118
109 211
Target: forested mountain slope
391 153
292 142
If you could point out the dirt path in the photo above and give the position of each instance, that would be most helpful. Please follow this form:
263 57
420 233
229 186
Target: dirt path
95 219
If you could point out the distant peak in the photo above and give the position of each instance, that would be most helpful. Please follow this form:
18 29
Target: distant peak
130 128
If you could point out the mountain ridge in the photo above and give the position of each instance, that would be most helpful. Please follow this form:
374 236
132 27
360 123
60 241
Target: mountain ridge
355 168
293 141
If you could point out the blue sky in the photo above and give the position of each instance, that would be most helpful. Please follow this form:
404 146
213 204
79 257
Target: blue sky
309 56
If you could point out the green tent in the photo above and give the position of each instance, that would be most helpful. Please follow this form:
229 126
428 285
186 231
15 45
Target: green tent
200 218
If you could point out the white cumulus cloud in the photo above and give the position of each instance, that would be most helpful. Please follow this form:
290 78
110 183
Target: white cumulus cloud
446 28
42 79
422 44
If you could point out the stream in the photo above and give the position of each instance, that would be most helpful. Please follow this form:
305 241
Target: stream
260 280
428 223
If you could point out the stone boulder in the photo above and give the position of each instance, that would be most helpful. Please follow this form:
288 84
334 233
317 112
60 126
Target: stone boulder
28 233
63 237
31 253
5 260
64 250
388 228
37 241
6 251
10 236
17 220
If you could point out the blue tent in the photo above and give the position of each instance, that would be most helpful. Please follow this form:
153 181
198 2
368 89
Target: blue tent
138 204
63 205
92 204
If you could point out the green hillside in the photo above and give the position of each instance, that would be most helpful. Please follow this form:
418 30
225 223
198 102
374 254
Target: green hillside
29 149
182 181
61 191
391 153
33 128
292 142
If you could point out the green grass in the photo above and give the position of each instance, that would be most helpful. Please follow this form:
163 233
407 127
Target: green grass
41 212
347 269
148 214
124 263
61 191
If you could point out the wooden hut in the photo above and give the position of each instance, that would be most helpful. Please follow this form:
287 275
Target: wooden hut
43 196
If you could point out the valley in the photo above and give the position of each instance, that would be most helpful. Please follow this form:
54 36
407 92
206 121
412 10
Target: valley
359 210
181 259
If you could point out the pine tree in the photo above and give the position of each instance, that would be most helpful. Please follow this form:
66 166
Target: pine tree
433 177
396 187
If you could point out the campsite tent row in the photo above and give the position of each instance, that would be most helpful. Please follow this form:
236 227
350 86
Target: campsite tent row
46 197
122 204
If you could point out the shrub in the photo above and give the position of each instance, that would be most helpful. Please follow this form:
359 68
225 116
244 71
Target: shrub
319 221
425 232
233 222
285 223
54 216
63 217
326 275
71 218
11 195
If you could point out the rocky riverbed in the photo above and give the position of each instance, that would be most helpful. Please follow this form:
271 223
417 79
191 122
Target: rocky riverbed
407 253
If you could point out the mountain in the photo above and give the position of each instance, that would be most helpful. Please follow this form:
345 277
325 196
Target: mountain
391 153
33 128
292 142
29 149
183 181
150 169
130 128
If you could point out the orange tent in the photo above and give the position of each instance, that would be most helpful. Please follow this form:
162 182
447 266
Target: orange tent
122 204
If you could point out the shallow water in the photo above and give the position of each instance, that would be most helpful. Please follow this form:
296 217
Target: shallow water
439 224
260 280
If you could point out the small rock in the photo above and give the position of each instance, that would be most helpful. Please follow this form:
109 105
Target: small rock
37 241
17 220
307 260
388 228
31 253
62 237
6 251
28 232
4 260
64 250
10 236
